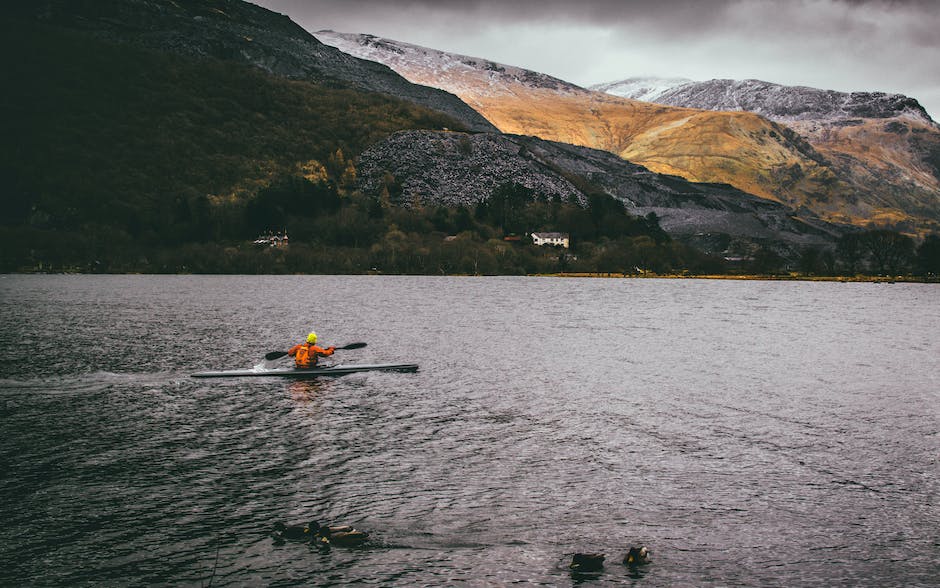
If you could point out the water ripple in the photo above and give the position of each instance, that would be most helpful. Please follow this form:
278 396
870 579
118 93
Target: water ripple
749 433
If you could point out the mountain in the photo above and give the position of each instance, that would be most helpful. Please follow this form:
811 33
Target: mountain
840 178
241 32
774 101
137 128
885 146
463 169
525 103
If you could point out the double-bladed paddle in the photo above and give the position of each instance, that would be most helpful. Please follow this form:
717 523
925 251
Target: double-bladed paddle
278 354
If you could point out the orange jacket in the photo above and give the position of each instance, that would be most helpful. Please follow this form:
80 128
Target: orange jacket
305 355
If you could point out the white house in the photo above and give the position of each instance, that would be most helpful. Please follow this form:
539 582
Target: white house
550 239
272 239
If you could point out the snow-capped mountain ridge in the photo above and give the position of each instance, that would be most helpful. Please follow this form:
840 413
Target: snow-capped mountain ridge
775 101
426 66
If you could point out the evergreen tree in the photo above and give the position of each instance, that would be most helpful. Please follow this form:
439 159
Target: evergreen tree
928 256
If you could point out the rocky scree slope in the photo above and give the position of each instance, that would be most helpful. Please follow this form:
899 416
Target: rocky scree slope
464 169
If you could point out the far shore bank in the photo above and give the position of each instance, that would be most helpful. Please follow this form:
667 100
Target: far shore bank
602 275
756 277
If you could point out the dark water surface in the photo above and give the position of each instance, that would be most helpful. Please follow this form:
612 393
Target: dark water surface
749 433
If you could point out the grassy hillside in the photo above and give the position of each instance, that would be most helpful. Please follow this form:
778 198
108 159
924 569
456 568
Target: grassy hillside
108 142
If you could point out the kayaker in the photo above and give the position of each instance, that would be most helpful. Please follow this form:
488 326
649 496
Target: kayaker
306 354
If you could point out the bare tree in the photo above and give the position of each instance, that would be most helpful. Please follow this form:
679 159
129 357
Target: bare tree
890 252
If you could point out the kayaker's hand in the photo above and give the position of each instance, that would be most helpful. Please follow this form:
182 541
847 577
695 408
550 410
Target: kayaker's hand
331 348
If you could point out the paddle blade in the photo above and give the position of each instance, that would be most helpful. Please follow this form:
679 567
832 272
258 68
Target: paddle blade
353 346
274 355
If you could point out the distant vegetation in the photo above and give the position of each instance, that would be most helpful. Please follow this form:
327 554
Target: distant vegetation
116 159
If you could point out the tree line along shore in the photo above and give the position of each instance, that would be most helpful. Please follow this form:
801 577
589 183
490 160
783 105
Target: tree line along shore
335 231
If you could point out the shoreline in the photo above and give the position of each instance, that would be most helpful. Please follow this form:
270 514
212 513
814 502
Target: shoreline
598 275
753 277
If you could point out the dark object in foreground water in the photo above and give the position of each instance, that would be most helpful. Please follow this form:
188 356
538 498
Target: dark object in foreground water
587 562
636 556
344 536
321 536
284 532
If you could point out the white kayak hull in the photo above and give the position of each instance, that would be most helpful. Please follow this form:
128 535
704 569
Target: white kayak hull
336 370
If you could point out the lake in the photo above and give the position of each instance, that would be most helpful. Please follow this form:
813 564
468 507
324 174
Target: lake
749 433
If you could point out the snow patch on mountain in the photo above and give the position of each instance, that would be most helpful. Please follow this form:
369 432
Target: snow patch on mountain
460 74
647 89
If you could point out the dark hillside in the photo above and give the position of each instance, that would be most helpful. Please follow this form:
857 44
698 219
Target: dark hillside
240 32
99 137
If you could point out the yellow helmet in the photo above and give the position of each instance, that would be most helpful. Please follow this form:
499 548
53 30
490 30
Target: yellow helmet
312 337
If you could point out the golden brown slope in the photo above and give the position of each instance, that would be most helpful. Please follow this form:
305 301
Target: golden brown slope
891 165
884 146
739 148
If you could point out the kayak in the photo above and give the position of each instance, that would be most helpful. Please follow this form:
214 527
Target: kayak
335 370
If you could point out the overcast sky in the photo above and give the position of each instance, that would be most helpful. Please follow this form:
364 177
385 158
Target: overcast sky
848 45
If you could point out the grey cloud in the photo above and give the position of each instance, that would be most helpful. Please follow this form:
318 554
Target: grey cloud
889 45
680 20
601 12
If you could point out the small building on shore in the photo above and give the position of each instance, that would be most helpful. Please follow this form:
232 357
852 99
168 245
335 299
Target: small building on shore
556 239
273 239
